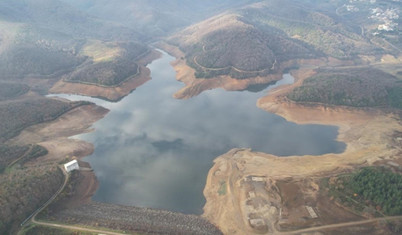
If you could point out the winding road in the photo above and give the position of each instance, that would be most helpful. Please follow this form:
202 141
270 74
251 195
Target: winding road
18 159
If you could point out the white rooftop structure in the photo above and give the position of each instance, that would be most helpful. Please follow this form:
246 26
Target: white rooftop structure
258 179
70 166
311 212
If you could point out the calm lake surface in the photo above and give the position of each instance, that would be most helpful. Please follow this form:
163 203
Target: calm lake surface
155 151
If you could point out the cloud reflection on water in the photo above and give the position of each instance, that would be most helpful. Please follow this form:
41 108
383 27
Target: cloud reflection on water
155 151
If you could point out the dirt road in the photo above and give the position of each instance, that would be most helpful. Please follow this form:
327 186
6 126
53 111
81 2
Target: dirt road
18 159
54 225
341 225
33 215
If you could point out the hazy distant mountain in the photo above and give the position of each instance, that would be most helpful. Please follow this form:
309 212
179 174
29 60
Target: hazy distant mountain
155 17
44 37
58 16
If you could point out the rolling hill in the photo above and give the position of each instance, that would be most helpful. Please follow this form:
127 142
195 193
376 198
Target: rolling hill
361 87
256 39
154 17
44 39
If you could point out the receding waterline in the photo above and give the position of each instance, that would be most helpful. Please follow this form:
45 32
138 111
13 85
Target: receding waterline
152 150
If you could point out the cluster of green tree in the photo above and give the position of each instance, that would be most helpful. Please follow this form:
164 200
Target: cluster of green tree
111 73
395 96
378 187
19 114
12 90
354 87
10 153
23 190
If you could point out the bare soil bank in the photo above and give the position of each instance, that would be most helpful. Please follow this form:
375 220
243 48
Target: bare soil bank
109 93
369 135
194 86
54 136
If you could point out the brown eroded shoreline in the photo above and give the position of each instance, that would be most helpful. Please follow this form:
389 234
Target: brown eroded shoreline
54 136
368 134
194 86
109 93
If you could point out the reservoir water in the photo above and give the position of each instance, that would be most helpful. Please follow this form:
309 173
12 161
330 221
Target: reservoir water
152 150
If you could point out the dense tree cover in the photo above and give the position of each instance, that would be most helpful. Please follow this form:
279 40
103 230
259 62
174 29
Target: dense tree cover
353 87
310 23
12 90
9 153
378 187
395 96
111 73
108 73
254 37
19 114
24 60
35 152
243 49
23 190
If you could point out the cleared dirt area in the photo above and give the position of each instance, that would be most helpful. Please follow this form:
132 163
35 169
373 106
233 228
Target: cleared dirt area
369 135
301 195
74 122
109 93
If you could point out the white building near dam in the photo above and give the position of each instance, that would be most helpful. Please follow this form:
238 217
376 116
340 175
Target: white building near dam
70 166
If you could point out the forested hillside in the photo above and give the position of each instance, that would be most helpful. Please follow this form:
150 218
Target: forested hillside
351 87
256 39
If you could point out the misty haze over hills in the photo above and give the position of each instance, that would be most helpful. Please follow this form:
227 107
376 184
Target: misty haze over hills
345 56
